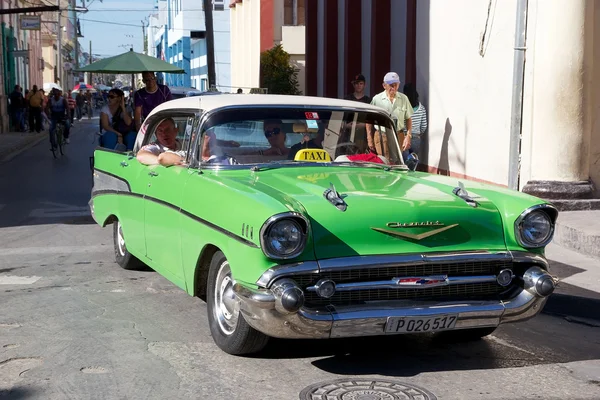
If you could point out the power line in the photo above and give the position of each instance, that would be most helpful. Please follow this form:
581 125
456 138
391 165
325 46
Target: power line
138 25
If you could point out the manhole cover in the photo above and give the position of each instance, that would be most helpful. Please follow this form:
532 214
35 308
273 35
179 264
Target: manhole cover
344 389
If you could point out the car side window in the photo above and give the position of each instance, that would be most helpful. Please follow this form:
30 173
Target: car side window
184 131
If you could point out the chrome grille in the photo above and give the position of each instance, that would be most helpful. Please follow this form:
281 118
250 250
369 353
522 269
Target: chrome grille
464 291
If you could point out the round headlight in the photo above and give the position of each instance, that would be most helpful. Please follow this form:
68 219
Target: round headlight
535 230
284 239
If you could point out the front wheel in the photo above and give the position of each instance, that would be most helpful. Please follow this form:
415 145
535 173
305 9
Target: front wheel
122 256
229 329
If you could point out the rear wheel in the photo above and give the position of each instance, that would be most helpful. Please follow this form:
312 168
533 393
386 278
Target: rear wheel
122 256
229 329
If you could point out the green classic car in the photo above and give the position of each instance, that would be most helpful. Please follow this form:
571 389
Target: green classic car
296 217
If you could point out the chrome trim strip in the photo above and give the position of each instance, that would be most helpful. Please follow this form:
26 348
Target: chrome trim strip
301 268
360 262
395 283
180 210
278 217
553 215
526 257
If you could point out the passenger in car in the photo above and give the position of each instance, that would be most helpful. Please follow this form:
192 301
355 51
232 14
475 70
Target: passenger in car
276 138
166 150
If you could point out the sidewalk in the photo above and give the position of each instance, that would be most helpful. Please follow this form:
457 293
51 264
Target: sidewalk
579 231
13 143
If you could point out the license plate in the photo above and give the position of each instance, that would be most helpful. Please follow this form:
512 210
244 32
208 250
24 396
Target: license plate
420 324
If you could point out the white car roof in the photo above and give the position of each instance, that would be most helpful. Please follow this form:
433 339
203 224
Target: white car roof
207 103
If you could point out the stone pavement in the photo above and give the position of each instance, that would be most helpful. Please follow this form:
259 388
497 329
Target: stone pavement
13 143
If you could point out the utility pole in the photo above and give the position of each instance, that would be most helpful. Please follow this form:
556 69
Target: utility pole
210 43
59 49
144 26
90 74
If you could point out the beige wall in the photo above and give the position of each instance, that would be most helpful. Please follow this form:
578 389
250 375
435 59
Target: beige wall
292 40
49 55
556 130
468 88
467 93
245 45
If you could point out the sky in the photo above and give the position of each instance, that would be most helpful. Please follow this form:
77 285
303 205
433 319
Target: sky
107 25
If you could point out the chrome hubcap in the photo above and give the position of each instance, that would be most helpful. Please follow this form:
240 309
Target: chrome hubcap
227 308
120 239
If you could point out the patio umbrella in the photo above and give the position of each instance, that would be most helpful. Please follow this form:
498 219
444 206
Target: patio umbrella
83 86
132 63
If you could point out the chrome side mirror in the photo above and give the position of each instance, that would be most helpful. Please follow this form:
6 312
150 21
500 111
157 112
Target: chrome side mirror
412 161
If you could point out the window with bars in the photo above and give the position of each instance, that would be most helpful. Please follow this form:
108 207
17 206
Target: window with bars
293 12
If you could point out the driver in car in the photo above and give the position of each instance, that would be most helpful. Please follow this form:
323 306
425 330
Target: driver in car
308 143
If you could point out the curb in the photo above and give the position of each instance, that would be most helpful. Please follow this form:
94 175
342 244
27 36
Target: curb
577 235
9 154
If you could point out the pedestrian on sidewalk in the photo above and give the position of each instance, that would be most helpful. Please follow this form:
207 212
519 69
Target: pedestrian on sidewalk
45 119
418 119
146 99
88 98
359 84
71 103
400 110
79 104
17 102
36 100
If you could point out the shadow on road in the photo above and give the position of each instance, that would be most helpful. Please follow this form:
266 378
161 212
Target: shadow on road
17 393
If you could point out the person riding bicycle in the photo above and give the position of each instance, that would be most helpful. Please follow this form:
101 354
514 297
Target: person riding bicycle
58 109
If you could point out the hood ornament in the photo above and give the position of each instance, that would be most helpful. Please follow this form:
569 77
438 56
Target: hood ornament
414 236
335 198
461 192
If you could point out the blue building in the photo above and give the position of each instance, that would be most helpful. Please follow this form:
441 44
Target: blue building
177 31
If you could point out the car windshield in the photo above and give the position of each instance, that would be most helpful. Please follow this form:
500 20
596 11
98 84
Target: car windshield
278 135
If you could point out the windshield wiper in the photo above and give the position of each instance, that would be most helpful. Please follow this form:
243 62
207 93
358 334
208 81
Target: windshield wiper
273 164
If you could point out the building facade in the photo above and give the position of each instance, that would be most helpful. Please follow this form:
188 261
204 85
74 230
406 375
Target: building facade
20 55
177 30
512 91
259 25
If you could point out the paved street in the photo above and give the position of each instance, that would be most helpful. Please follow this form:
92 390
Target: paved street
73 325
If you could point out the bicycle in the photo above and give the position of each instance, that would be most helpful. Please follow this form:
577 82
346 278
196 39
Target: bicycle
60 141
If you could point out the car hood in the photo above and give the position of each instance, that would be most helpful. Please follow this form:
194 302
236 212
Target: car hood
378 203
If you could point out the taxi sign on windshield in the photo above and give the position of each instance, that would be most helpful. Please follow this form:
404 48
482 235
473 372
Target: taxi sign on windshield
312 155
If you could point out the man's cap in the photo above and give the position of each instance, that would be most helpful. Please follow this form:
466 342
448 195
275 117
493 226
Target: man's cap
359 78
391 77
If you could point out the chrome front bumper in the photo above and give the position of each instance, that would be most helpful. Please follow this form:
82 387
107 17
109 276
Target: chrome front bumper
258 309
262 308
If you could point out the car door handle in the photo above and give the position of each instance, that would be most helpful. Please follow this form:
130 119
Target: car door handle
124 163
153 173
